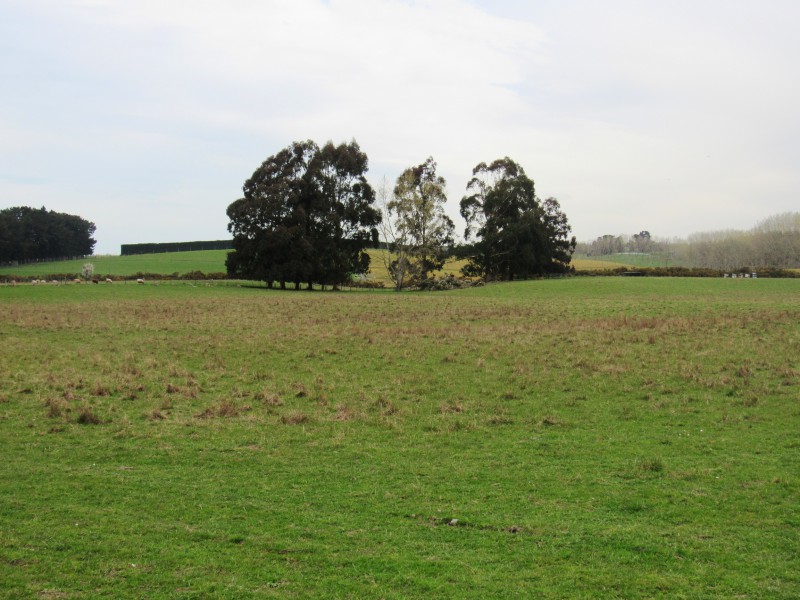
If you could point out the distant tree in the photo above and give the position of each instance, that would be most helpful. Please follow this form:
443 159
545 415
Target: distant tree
397 254
607 244
346 219
28 234
423 233
516 234
776 241
306 217
641 242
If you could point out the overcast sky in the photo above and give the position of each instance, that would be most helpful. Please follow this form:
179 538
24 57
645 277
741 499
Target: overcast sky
146 116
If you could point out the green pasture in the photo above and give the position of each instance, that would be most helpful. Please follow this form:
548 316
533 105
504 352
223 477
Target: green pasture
166 263
169 263
587 437
213 261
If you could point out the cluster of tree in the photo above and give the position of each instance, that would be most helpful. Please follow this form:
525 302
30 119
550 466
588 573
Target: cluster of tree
516 234
307 216
510 232
774 242
605 245
29 234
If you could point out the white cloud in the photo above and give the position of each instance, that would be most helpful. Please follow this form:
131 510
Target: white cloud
635 114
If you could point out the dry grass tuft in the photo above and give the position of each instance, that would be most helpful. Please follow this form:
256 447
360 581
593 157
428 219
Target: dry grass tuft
99 389
227 408
156 415
451 407
343 413
653 465
206 413
87 417
295 417
56 407
269 398
176 371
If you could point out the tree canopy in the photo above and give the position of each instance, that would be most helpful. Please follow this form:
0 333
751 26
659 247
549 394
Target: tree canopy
307 216
423 233
516 235
28 234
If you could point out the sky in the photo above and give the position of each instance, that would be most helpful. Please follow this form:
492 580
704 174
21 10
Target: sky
147 116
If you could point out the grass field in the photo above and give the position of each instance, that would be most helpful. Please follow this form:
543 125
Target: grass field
166 263
209 261
587 437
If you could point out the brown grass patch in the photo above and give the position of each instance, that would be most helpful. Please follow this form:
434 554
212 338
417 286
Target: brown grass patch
206 413
227 408
99 389
451 407
87 417
295 417
343 413
56 407
269 398
590 264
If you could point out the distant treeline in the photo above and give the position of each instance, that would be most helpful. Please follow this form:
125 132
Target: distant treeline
35 235
130 249
772 243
